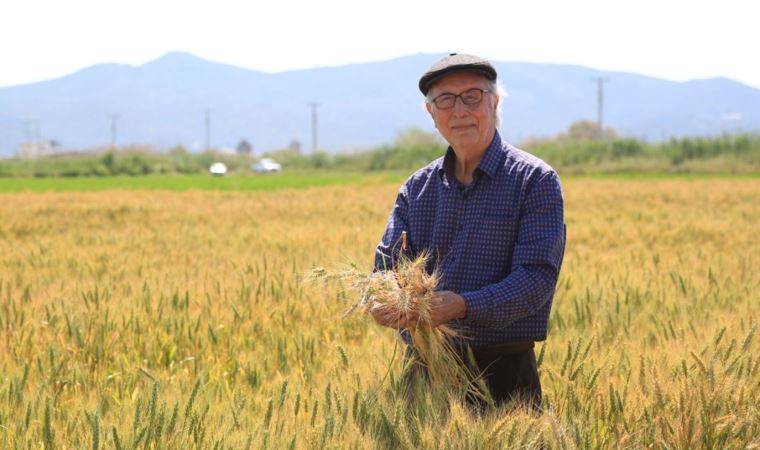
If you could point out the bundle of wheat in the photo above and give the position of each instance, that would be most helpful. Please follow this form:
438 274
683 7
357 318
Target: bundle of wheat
408 292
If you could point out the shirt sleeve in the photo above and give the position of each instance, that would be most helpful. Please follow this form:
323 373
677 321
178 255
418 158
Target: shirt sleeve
389 249
536 261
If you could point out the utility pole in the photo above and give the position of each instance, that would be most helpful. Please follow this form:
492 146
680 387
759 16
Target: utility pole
27 130
207 112
599 104
32 138
113 118
32 130
313 126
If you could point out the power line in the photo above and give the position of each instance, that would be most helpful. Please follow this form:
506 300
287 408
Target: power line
600 103
313 126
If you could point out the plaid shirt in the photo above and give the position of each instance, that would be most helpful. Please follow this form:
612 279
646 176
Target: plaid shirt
498 242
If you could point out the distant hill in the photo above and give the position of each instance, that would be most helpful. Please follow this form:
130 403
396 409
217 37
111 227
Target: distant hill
162 104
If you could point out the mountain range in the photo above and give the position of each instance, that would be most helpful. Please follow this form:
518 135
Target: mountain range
164 103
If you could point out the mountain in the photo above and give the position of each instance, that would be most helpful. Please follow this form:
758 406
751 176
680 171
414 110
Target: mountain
162 103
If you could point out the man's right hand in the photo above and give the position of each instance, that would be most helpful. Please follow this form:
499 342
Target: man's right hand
391 319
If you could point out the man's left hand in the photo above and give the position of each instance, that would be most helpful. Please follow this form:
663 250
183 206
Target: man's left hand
447 306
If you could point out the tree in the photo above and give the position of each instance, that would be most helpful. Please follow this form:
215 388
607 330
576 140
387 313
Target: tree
244 148
417 137
585 130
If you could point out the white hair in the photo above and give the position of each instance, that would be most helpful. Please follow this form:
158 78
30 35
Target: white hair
500 93
493 86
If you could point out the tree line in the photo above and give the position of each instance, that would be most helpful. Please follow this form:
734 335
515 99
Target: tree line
582 149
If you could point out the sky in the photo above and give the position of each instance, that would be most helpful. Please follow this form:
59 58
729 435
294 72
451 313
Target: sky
670 39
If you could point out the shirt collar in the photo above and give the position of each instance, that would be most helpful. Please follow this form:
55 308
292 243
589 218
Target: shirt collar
492 160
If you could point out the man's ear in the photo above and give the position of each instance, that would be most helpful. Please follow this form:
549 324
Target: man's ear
429 108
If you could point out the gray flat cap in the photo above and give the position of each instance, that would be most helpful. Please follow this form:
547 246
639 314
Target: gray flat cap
456 63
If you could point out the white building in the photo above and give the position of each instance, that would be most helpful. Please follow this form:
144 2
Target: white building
37 149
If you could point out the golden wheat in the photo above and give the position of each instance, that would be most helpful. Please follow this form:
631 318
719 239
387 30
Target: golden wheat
178 320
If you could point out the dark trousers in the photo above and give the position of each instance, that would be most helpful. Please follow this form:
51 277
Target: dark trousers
510 377
510 372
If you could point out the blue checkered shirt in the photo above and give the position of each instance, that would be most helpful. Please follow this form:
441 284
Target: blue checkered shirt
498 242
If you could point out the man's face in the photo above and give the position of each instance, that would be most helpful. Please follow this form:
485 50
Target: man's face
468 128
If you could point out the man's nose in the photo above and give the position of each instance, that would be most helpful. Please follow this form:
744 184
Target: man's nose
459 107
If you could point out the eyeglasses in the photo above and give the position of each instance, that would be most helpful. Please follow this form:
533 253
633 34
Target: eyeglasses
470 97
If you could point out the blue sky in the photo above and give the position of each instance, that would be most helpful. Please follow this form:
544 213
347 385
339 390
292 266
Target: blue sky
676 40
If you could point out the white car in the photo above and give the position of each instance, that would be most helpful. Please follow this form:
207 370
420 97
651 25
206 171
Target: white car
218 168
266 165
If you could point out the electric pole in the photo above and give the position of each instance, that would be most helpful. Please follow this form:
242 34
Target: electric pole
599 104
207 113
113 118
32 145
313 126
32 130
27 130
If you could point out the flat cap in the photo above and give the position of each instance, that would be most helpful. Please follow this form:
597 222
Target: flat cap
455 62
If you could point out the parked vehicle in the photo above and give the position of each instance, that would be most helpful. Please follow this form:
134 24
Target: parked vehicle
266 165
218 169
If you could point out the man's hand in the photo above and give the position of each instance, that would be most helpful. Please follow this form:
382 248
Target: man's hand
447 306
392 319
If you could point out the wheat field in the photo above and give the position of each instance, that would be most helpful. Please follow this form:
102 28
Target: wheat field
174 320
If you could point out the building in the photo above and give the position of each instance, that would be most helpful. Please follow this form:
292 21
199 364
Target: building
38 149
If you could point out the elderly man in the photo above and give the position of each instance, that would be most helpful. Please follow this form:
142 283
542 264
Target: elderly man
491 216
